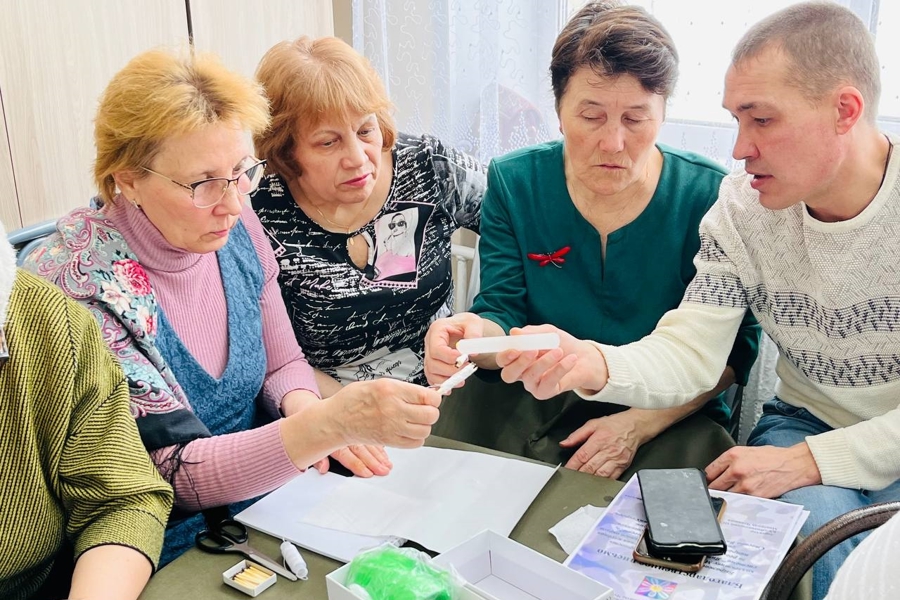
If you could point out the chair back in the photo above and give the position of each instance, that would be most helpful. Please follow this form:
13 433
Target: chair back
806 553
463 257
26 239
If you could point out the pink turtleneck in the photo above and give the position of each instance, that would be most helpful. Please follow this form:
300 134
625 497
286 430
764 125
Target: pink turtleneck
226 468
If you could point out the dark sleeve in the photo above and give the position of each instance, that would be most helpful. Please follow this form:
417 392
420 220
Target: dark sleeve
746 347
463 181
502 295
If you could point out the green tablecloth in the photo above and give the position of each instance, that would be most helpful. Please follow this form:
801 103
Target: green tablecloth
198 576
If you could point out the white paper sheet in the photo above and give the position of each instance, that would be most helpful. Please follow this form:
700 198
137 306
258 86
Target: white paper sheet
758 533
434 496
279 514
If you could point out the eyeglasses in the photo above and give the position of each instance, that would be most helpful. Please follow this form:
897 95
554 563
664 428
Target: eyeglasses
209 192
397 224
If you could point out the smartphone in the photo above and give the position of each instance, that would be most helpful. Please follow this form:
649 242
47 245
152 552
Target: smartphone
680 517
688 564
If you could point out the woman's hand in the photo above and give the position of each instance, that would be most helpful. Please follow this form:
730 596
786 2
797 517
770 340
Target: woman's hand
607 444
377 413
363 461
440 344
385 412
548 373
764 471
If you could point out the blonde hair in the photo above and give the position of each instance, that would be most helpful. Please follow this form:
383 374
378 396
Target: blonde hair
160 94
309 80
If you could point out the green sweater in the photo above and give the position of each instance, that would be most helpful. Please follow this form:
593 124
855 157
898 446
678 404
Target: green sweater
72 468
649 262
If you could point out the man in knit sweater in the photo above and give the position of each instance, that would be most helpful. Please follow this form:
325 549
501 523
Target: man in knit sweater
808 239
76 480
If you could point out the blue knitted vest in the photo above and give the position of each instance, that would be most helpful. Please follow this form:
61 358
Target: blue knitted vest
228 404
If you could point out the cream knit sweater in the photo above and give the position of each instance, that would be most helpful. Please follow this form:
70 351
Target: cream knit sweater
828 294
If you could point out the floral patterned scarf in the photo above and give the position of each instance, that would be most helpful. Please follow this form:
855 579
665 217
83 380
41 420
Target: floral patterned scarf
89 259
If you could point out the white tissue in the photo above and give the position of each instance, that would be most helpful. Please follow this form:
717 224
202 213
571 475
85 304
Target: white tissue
571 530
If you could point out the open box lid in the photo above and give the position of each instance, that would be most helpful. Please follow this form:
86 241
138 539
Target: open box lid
502 569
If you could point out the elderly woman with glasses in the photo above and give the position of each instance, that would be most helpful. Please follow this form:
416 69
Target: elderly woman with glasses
180 275
359 215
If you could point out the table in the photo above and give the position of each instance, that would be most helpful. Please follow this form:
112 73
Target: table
198 576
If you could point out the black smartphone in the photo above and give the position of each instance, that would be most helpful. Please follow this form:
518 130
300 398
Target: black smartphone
680 517
687 563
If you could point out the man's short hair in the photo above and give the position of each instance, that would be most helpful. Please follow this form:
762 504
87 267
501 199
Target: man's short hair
826 46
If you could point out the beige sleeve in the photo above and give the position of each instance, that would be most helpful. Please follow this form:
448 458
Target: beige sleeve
682 358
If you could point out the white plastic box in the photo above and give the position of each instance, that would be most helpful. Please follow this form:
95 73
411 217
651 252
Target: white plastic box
498 568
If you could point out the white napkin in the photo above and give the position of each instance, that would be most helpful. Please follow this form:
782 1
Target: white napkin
571 530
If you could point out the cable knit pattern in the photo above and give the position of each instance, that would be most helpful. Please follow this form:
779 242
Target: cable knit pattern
828 294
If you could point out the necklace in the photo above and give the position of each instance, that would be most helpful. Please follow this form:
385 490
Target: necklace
349 229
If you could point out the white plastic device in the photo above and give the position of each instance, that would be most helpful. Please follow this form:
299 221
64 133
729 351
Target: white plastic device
487 345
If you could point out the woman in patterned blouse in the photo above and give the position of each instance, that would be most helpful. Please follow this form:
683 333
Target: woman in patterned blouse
359 215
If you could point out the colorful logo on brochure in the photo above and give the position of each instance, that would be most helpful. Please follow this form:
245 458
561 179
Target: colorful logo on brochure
659 589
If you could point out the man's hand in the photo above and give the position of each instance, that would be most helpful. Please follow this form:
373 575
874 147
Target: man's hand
765 471
608 444
545 374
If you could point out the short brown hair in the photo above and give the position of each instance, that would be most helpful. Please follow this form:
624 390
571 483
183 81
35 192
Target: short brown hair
826 45
615 40
308 80
163 93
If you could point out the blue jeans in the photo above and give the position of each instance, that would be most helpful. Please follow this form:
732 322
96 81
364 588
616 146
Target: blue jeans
784 425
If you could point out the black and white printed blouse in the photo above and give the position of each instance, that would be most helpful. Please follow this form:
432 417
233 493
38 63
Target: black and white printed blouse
357 324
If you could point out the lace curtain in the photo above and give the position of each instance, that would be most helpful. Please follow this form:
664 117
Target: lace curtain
473 73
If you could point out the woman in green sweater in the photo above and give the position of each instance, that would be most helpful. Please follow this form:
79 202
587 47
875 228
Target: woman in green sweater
84 509
594 234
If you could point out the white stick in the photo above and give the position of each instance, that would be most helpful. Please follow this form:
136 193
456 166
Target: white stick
457 378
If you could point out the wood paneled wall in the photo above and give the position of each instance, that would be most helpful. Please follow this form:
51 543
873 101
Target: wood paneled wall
9 207
241 31
56 57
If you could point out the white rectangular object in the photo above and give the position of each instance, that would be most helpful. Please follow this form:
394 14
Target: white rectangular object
497 568
228 578
434 496
487 345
